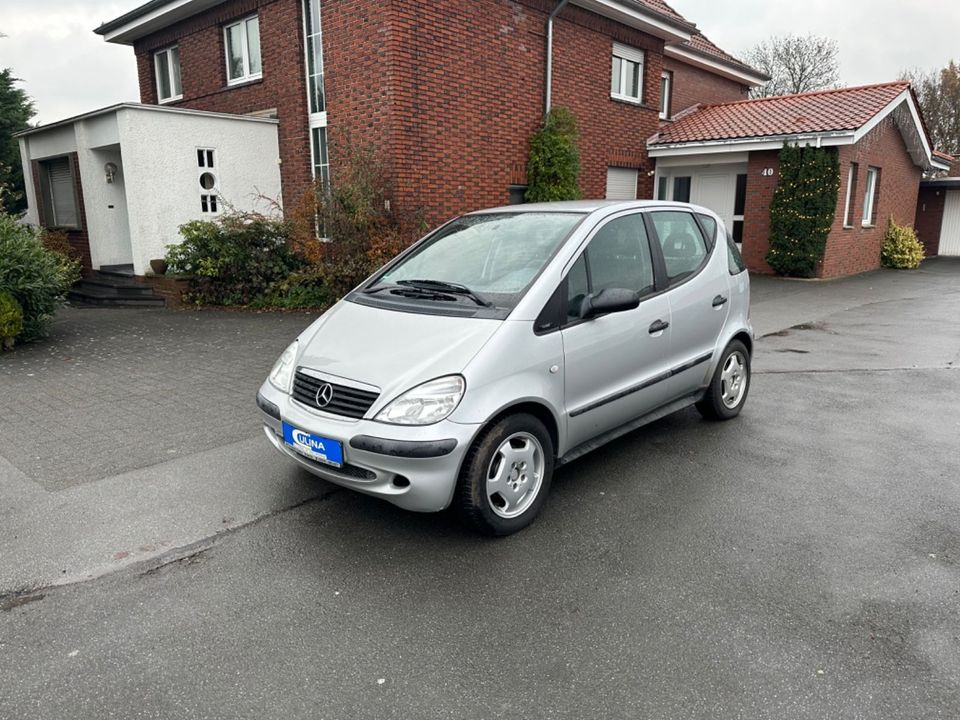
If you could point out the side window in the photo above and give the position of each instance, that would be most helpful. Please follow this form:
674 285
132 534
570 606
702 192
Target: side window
734 259
618 256
683 246
710 225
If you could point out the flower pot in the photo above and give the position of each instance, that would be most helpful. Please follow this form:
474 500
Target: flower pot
159 266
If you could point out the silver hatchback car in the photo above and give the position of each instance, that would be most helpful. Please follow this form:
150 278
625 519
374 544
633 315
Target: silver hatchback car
509 342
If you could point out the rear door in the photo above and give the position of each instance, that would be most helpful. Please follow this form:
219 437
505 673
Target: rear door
612 361
698 293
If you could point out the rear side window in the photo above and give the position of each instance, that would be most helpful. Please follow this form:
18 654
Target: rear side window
734 258
710 226
618 256
683 245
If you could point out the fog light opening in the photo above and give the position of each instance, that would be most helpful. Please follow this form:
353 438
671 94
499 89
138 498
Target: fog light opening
399 481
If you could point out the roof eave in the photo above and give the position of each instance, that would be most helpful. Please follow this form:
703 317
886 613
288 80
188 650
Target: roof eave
638 16
750 144
712 63
149 18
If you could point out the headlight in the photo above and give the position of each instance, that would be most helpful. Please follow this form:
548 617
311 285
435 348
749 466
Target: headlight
425 404
283 368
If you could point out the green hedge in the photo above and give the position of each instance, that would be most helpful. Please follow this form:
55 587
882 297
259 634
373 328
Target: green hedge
554 162
803 209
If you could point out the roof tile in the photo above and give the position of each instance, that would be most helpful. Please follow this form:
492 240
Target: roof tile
820 111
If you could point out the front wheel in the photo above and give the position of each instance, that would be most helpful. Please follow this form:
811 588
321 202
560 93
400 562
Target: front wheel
728 389
506 476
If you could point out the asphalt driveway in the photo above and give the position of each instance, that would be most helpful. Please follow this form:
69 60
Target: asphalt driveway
802 561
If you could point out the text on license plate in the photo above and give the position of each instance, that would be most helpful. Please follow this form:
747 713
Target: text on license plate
315 447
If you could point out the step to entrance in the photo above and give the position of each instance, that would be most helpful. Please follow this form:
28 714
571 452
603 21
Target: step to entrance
114 286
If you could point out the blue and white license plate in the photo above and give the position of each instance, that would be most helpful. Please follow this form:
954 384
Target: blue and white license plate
315 447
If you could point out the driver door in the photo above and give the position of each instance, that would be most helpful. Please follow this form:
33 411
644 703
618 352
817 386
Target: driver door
612 361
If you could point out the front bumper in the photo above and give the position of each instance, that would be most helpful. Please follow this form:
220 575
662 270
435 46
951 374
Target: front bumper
415 468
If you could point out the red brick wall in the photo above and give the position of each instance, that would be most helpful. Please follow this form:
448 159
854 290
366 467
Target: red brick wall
204 75
692 86
756 217
929 218
857 249
78 239
467 94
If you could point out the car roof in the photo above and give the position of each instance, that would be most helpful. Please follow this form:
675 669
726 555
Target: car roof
587 206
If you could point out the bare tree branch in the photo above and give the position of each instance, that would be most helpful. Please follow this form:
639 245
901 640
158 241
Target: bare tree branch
795 64
938 92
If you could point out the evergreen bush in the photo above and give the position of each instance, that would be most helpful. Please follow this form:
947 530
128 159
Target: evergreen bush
11 320
554 162
901 249
803 209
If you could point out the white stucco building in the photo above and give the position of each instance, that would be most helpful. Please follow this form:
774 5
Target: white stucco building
121 181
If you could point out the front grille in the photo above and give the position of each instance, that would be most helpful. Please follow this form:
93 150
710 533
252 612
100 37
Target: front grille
346 401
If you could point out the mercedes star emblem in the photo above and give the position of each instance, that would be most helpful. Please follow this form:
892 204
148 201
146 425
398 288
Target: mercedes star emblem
324 395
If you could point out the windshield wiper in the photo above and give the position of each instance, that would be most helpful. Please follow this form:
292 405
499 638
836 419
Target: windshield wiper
411 291
447 287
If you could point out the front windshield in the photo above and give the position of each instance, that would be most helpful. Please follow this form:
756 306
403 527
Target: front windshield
496 256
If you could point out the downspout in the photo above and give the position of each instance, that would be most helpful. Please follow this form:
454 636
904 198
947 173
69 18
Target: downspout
549 73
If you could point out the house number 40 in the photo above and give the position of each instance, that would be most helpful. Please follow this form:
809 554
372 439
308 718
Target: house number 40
767 172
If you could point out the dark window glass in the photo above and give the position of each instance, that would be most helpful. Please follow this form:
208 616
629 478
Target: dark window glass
577 287
740 199
738 231
518 194
683 245
681 189
734 259
662 189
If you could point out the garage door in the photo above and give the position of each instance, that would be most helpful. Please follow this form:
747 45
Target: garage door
950 229
621 184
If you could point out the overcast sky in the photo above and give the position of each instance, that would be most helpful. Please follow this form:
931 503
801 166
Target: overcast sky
69 70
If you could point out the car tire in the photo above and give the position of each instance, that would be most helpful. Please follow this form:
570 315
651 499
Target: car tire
506 476
731 381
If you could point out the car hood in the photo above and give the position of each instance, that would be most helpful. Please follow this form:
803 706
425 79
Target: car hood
391 350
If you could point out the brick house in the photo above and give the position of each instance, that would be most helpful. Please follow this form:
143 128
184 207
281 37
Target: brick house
725 156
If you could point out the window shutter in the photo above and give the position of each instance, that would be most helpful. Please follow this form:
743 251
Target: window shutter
60 173
621 184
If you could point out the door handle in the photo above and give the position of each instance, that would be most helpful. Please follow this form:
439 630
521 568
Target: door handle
719 300
658 326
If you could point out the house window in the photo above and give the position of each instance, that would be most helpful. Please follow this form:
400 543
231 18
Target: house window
242 42
851 194
311 18
207 180
626 80
317 108
739 208
166 63
681 189
661 188
870 196
666 91
58 194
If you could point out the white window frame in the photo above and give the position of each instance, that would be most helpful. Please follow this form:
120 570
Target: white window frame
848 203
244 50
869 196
627 54
166 56
318 120
666 95
209 197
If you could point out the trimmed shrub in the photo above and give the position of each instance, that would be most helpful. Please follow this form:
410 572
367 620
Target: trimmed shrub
302 290
803 209
554 162
37 278
11 320
234 259
901 249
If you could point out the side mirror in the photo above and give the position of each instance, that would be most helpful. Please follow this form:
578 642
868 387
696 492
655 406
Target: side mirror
609 300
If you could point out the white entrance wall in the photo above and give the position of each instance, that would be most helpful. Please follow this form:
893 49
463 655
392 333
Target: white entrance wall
950 227
155 189
713 181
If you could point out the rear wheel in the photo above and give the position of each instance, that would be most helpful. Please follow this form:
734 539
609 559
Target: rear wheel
728 389
506 476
